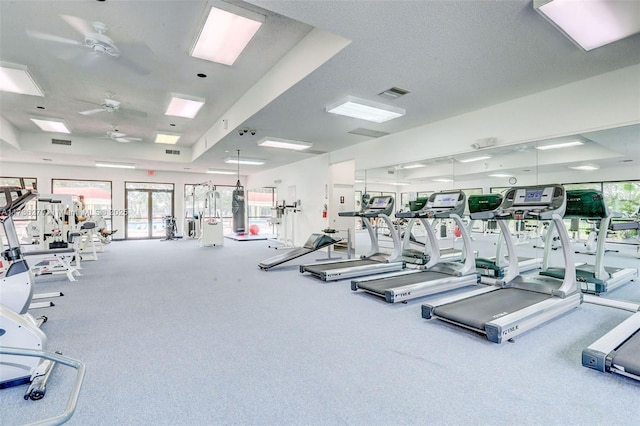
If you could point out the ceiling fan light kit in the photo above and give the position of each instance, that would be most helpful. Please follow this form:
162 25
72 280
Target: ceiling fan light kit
100 43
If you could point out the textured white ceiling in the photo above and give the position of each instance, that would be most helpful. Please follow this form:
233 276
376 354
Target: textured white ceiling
453 57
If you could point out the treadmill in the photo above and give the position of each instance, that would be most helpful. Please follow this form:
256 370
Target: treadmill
494 268
617 351
374 262
437 276
596 278
519 302
314 242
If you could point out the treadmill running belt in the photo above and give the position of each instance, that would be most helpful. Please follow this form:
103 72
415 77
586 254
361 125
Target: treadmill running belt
478 310
581 275
322 267
627 355
286 256
380 285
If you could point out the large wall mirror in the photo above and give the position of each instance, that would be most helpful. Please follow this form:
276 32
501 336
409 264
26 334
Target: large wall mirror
603 156
606 160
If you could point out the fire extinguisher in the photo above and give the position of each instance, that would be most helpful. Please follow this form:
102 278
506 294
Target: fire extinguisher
324 212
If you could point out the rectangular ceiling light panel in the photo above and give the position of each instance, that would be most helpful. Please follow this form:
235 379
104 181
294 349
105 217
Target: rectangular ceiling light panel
221 172
594 23
224 36
247 161
167 138
115 165
183 107
472 159
559 145
284 144
17 79
365 110
51 125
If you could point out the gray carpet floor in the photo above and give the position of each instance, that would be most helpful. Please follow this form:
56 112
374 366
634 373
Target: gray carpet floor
175 334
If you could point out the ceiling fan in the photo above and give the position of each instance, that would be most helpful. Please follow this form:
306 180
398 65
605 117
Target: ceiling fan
111 105
118 136
98 44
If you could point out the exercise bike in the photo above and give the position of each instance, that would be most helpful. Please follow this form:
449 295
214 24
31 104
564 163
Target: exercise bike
18 328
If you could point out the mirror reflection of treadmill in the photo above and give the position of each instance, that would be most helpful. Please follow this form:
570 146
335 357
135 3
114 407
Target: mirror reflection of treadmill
422 256
594 278
374 262
520 302
437 276
494 268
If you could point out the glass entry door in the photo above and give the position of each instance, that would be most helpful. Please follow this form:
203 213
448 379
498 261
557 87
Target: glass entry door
147 209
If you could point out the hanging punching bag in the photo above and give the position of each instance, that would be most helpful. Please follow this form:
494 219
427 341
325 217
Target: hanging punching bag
237 208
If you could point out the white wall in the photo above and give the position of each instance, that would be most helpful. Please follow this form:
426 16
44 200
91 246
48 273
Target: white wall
601 102
45 173
311 179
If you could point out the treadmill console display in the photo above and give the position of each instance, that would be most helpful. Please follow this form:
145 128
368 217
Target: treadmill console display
444 201
533 196
379 203
537 202
440 205
444 204
375 207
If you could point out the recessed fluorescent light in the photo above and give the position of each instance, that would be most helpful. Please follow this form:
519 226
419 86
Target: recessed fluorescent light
184 107
221 172
167 138
225 35
413 166
17 79
500 175
358 181
284 144
594 23
115 165
401 184
471 159
365 110
248 161
443 180
559 145
51 125
586 167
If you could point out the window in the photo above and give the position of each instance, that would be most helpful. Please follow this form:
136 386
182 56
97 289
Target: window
147 207
97 196
259 204
29 212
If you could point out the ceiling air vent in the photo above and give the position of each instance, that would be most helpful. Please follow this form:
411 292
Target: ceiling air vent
172 151
393 93
368 132
60 142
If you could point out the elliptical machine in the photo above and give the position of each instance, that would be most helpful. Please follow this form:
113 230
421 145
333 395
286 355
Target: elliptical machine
18 328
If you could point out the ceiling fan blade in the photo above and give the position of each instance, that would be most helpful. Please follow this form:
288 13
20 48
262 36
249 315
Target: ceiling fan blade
78 24
137 57
134 139
92 111
51 37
